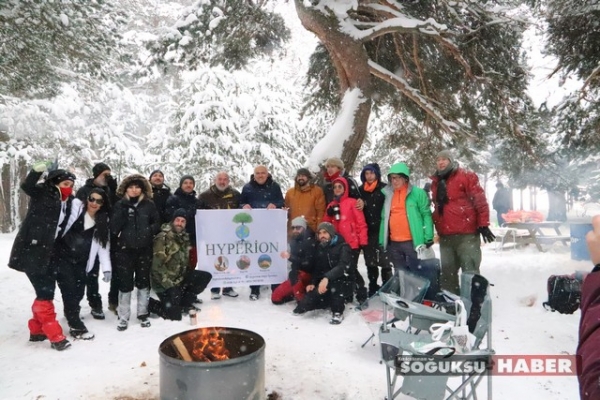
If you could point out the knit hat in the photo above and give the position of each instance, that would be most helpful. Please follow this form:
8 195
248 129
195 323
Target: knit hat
299 221
305 172
180 212
447 154
156 171
186 177
327 226
59 175
99 168
334 162
373 167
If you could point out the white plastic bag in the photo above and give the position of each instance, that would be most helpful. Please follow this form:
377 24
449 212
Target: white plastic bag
424 252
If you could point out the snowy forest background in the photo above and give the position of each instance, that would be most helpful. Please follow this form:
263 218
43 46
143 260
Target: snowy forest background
201 86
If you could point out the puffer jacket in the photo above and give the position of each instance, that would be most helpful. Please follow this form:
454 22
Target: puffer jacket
467 208
133 226
332 261
259 196
170 260
351 225
307 201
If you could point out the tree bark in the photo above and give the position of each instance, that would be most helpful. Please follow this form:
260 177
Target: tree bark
350 60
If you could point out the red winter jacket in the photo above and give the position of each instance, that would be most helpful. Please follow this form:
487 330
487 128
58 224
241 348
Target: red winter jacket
467 208
352 224
589 338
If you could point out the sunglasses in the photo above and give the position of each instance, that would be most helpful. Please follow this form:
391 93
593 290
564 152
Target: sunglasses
95 200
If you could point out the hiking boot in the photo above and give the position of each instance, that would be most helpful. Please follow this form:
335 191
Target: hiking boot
60 346
298 311
199 300
97 313
144 321
254 296
122 325
81 334
113 307
230 293
336 319
37 337
215 296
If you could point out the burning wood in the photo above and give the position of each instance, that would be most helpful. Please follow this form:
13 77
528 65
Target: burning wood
209 346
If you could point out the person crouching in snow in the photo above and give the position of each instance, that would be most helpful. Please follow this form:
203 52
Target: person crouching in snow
31 253
133 225
175 284
331 274
86 238
301 257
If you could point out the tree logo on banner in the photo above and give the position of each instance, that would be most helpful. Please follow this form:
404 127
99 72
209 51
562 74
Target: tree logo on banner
242 231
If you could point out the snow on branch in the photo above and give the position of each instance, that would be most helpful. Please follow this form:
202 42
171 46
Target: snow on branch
402 24
333 143
413 94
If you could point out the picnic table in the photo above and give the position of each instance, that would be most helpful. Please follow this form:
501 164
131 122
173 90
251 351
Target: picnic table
545 232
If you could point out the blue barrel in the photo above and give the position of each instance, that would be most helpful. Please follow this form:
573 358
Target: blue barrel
579 250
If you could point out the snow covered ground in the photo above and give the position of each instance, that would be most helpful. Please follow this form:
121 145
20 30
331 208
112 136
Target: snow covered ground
306 357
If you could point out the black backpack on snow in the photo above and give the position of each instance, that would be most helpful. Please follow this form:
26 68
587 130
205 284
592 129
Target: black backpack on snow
564 294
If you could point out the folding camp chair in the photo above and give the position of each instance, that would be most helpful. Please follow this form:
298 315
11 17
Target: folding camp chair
402 283
398 342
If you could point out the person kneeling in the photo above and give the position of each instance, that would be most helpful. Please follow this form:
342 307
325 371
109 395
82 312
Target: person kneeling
173 282
330 281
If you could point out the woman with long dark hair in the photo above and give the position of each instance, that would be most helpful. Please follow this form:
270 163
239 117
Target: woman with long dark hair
32 250
86 236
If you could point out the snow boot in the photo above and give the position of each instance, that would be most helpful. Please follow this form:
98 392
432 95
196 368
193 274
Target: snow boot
61 345
336 318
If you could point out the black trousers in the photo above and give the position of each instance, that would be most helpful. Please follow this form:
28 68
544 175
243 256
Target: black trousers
133 267
173 300
92 288
333 297
356 281
71 279
375 258
44 283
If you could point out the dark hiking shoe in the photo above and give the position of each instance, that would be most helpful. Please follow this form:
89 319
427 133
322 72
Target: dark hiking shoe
122 325
254 296
336 319
37 337
81 334
230 293
144 321
97 313
60 346
113 307
298 311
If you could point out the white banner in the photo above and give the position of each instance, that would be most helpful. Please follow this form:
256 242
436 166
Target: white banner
242 247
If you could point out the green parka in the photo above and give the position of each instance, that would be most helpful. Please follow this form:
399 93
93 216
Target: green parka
418 211
171 258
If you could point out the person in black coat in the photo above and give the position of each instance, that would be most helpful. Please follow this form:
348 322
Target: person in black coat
330 278
261 192
85 239
160 194
101 179
501 202
32 250
133 224
372 206
301 257
185 197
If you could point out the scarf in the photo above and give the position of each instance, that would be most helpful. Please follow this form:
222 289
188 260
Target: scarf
441 197
330 178
370 187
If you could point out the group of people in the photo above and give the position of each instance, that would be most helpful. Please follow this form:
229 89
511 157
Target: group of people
140 235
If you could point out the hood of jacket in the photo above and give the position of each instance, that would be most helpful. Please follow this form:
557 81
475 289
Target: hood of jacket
146 190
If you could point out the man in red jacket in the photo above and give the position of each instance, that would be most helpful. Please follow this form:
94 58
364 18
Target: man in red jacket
461 215
589 328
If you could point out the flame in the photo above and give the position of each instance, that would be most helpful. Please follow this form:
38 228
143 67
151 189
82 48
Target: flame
209 346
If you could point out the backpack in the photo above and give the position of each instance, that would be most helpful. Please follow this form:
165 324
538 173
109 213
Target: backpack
564 294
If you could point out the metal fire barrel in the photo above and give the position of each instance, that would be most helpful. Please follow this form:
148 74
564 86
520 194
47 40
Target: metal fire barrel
240 377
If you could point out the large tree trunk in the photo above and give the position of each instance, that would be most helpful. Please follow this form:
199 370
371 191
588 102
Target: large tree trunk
351 63
557 206
6 216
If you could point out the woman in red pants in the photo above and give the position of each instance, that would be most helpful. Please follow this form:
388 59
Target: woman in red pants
49 206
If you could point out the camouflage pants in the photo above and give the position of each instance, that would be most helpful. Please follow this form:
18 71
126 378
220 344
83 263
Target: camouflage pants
458 252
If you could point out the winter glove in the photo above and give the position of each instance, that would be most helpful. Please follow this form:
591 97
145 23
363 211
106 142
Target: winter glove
429 244
111 182
488 236
41 166
330 211
107 276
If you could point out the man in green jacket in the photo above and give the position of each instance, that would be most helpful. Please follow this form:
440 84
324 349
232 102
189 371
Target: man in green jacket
406 221
173 282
